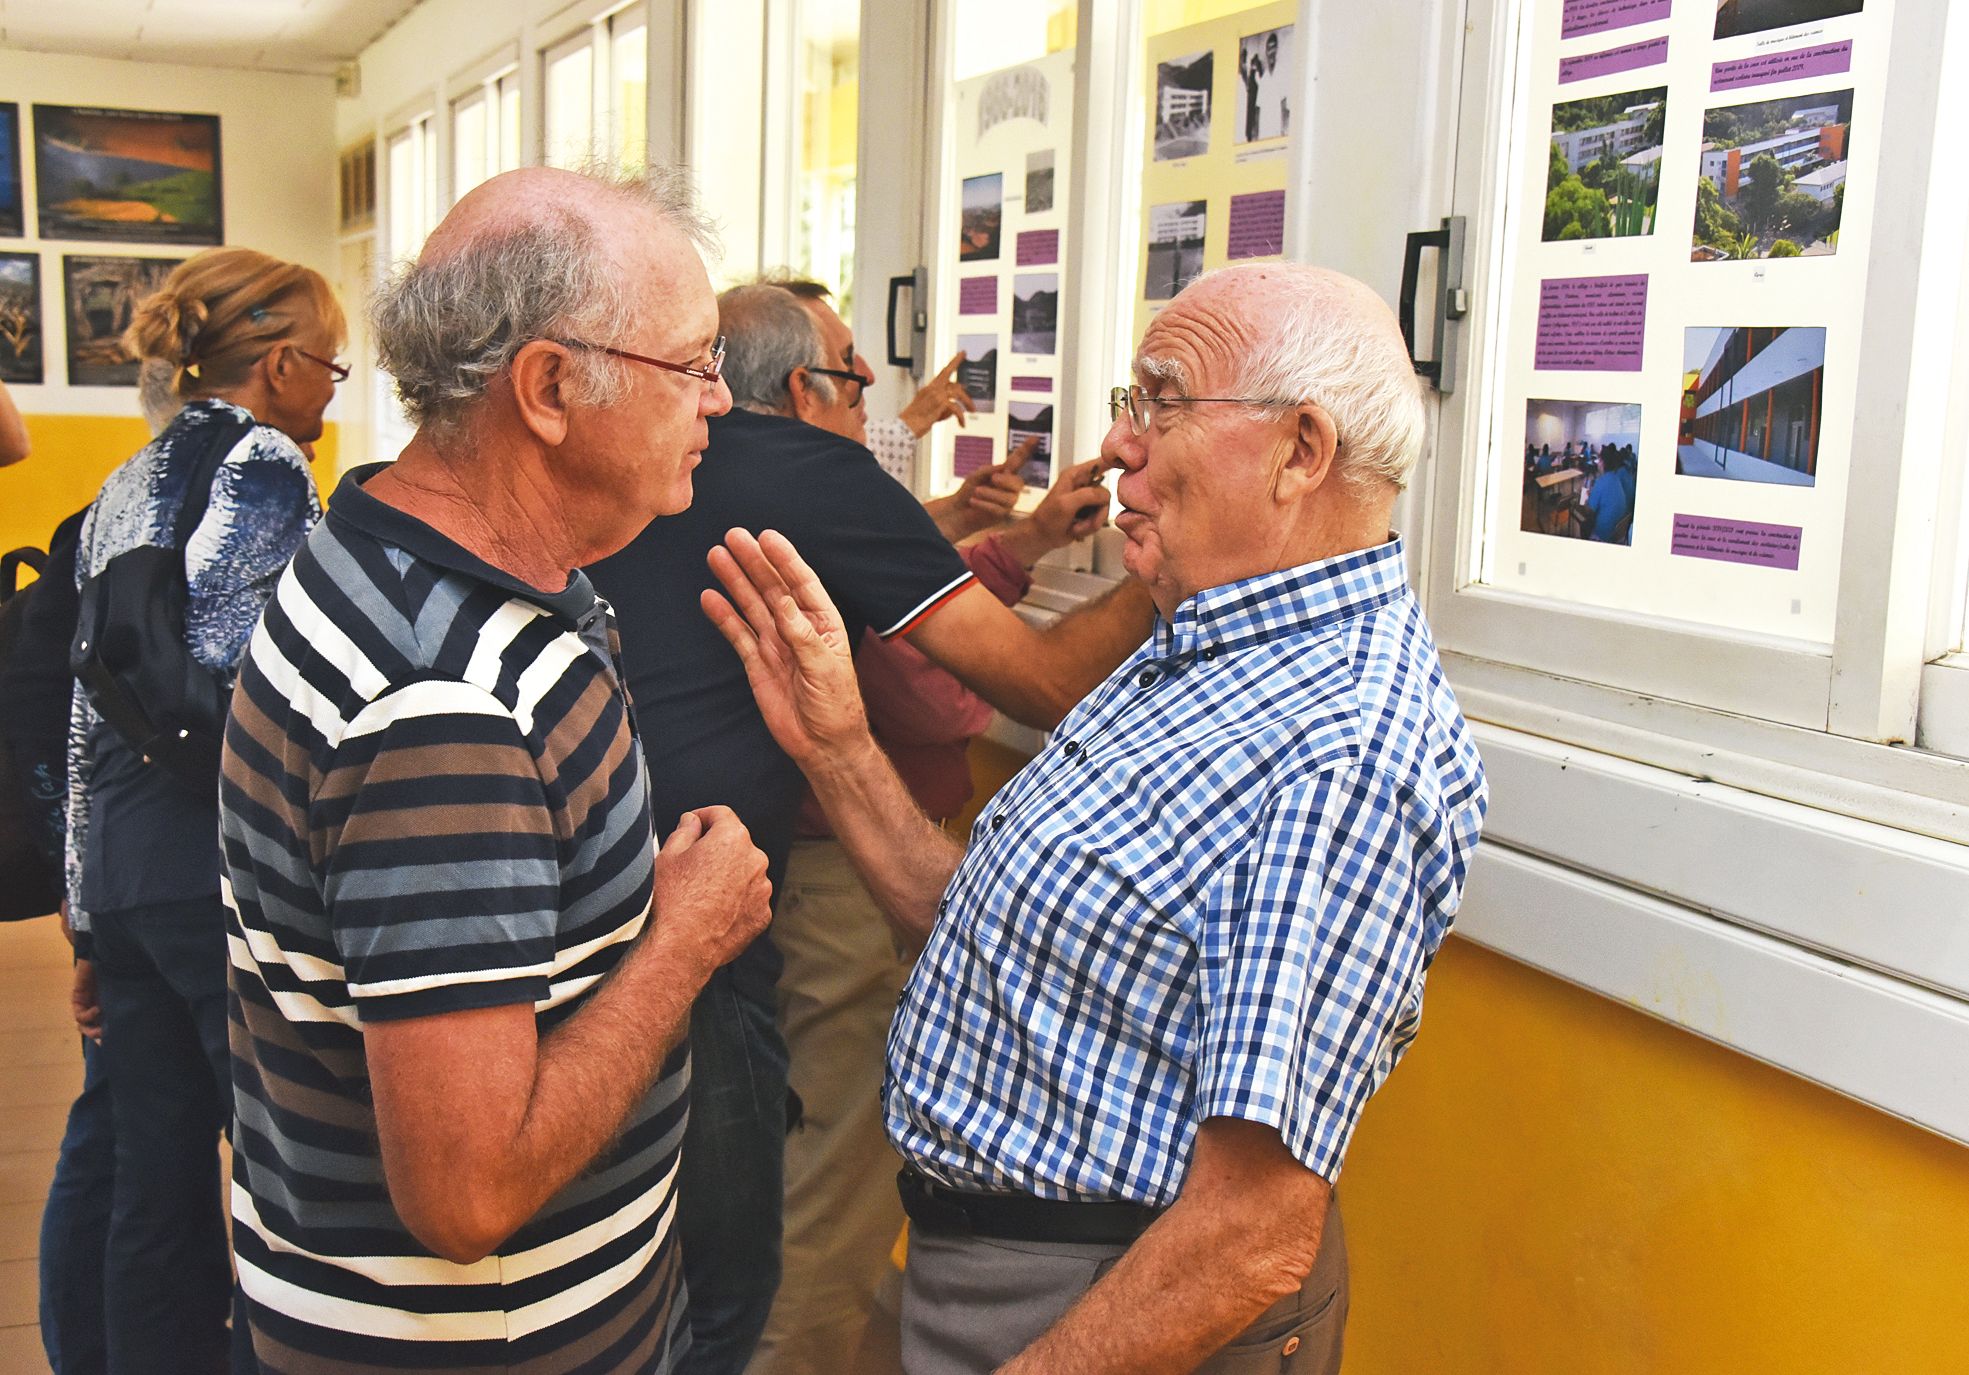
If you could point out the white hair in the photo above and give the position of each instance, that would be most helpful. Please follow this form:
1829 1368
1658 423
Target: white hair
1328 340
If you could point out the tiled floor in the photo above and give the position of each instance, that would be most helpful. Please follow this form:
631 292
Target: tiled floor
40 1071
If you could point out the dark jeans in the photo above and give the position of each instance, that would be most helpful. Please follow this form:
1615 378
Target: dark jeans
75 1229
730 1183
167 1284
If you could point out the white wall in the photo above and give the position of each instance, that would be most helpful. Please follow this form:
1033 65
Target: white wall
277 161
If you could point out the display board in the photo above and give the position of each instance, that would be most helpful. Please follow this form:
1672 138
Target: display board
1686 257
1012 154
1220 115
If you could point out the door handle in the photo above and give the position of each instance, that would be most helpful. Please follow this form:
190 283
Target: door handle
919 320
1452 301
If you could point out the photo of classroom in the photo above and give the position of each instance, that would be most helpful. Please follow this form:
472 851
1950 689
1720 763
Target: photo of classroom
1580 469
1750 404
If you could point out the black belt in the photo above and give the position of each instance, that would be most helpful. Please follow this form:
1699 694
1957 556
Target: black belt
1019 1217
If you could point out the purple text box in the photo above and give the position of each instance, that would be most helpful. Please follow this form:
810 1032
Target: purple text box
1257 225
1651 52
1737 541
1598 16
1828 59
1591 324
974 451
1038 384
977 296
1038 247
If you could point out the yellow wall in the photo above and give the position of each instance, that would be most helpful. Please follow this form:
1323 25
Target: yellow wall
1553 1183
72 454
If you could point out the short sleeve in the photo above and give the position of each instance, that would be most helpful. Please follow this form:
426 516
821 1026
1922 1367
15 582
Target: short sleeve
435 839
877 551
1312 953
894 445
263 505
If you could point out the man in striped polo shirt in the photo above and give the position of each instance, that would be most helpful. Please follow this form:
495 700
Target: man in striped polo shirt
461 974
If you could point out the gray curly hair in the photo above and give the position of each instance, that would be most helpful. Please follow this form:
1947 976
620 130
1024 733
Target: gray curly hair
446 328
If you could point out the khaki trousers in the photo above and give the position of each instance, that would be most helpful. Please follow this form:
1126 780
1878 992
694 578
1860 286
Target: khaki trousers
837 995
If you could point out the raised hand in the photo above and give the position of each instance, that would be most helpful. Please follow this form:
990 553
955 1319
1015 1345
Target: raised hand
941 398
1075 506
796 652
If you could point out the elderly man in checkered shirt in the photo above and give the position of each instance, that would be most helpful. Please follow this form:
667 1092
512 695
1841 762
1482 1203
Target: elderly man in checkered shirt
1188 941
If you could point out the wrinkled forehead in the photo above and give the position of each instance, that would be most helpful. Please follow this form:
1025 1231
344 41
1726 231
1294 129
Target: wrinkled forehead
1192 344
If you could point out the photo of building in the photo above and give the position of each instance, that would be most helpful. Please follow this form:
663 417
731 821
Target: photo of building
1772 178
1603 176
1751 398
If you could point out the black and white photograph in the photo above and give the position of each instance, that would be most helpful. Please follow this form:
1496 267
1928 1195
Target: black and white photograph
20 318
1264 73
1031 420
1182 107
1175 253
1751 401
983 218
1035 312
1771 182
102 296
1039 182
1735 17
1580 463
978 373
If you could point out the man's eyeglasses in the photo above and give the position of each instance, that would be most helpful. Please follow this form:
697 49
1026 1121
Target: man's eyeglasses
340 371
710 372
1134 401
860 380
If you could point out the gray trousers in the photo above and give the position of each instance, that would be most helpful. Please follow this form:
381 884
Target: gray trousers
972 1303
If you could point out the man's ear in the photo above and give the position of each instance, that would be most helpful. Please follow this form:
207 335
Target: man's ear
803 395
540 372
1311 450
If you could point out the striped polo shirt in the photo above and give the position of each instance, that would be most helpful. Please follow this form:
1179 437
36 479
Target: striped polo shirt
434 800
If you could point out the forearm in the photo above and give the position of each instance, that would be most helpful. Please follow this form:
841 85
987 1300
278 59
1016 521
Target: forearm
13 431
1070 658
1193 1282
904 860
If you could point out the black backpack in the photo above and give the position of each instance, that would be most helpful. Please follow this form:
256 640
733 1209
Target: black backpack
36 624
130 654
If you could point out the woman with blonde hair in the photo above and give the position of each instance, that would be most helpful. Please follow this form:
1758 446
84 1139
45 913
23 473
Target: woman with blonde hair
249 342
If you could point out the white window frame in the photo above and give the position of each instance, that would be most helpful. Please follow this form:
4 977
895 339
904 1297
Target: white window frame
486 81
594 25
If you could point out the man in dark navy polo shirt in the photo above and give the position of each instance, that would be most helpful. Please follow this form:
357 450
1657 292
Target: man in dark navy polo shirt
789 457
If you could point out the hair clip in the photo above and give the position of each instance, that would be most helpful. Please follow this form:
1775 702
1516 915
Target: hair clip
191 370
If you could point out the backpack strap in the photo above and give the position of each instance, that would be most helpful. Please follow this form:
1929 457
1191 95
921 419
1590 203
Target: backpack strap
223 438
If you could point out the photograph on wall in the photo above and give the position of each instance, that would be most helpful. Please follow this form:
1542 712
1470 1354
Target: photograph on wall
1735 17
1751 398
1182 107
978 373
1264 73
1580 466
1035 312
20 318
1603 175
13 219
983 218
134 176
1772 180
102 296
1175 252
1039 182
1031 420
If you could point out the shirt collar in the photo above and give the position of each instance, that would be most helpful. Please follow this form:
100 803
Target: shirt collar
1289 601
356 509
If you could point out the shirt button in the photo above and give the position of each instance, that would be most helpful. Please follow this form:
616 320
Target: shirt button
1072 747
998 821
1146 678
1291 1345
1209 653
943 906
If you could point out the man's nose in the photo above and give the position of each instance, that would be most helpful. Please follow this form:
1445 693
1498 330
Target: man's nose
1121 447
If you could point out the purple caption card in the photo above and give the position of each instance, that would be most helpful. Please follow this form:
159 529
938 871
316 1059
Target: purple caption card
977 296
1737 541
1591 324
1598 16
1038 247
1828 59
974 451
1257 225
1650 52
1038 384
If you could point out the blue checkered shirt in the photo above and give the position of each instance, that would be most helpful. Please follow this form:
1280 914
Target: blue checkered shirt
1214 894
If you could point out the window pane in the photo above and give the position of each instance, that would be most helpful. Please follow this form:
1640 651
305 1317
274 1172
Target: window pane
827 66
991 35
570 126
406 232
469 164
509 123
629 86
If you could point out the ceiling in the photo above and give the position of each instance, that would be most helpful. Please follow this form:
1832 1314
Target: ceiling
268 35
